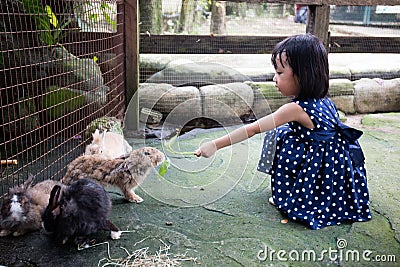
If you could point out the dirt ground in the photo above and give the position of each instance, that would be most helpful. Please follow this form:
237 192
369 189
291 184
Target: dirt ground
216 213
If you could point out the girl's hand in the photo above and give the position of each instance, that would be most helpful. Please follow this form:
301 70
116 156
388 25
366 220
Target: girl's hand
206 150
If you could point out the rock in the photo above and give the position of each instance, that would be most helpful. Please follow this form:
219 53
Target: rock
341 87
181 104
97 96
150 95
21 117
61 100
182 72
260 106
226 102
336 72
268 90
272 98
341 92
81 74
377 95
345 103
379 68
274 104
110 67
150 116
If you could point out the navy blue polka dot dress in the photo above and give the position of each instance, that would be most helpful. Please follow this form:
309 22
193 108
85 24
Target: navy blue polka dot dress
317 175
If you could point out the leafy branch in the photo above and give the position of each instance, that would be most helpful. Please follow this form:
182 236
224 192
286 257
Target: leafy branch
51 30
92 12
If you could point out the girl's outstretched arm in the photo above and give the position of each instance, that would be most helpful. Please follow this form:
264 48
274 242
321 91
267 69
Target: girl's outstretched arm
286 113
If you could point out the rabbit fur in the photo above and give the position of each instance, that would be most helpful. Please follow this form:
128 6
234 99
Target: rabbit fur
78 211
108 144
22 208
126 172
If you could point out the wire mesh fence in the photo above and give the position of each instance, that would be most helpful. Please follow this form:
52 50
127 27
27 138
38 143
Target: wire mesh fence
241 18
61 67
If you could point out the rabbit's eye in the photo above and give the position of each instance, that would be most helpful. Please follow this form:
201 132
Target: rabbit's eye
147 153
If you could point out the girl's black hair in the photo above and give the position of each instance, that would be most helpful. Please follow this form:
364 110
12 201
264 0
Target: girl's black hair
308 58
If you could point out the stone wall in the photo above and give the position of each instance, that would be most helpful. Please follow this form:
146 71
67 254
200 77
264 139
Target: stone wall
230 101
360 96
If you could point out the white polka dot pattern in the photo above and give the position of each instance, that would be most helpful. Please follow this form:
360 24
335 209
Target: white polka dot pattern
315 177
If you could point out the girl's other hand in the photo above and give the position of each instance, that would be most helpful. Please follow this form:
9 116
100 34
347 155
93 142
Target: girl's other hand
206 150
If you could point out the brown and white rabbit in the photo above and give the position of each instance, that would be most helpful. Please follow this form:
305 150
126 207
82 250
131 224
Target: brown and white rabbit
126 172
78 211
108 144
22 208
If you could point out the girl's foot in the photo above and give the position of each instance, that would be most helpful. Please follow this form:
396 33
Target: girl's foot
271 201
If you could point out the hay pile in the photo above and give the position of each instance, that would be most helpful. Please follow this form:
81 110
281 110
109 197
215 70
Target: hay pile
142 257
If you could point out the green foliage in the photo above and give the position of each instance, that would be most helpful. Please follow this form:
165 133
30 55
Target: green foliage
207 4
52 17
110 124
51 31
104 7
105 11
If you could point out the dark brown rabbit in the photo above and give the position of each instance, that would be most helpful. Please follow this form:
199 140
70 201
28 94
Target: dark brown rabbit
78 211
126 172
22 208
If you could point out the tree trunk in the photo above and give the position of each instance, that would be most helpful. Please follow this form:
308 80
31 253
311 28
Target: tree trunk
186 18
218 17
150 16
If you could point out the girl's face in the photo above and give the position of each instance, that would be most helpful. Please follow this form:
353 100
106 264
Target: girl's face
286 82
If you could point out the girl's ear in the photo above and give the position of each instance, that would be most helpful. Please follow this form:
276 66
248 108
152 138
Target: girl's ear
297 79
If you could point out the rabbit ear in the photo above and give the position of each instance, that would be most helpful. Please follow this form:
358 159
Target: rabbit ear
95 134
28 183
54 201
31 176
97 137
54 196
103 137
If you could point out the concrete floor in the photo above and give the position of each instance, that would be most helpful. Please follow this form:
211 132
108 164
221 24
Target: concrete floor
215 212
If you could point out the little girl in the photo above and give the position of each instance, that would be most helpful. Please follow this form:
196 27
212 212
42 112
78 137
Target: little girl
317 171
